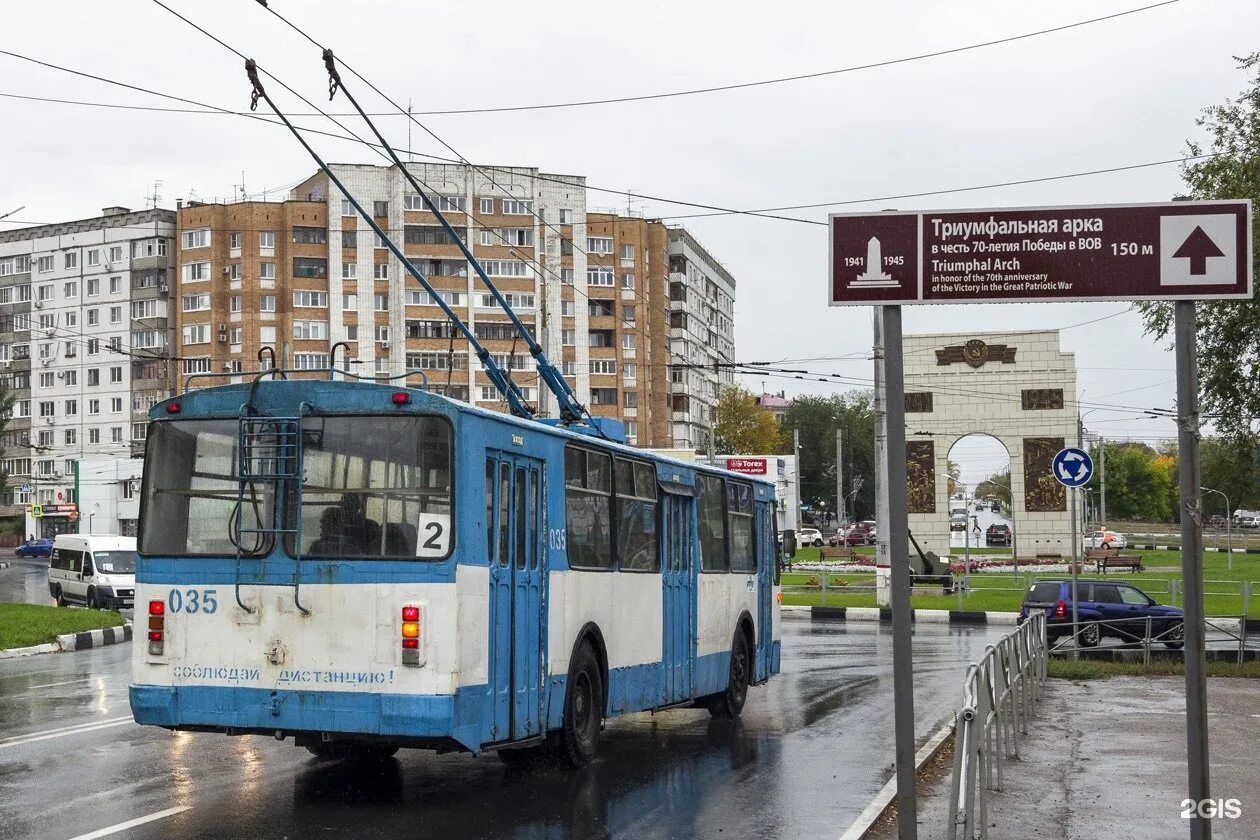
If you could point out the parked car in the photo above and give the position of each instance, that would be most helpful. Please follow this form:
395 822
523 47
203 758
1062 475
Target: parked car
809 536
1217 521
34 548
958 522
998 533
97 571
1249 522
1105 539
1121 603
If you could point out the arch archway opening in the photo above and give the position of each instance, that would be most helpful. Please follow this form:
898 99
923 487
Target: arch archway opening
979 489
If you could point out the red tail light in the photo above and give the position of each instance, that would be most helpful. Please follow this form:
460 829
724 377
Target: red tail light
157 627
411 613
1060 609
155 635
157 608
401 398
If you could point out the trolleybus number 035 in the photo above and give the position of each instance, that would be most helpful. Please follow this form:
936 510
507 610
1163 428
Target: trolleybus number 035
192 601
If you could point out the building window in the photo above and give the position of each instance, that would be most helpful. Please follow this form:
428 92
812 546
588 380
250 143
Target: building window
72 408
598 276
566 216
196 303
310 361
94 406
627 253
138 430
349 303
266 241
234 271
115 434
44 263
267 303
71 259
380 208
628 341
234 303
517 207
190 272
267 271
629 372
505 268
234 241
380 271
195 239
349 271
627 281
93 377
71 289
630 399
347 207
310 330
310 236
566 276
94 256
566 247
599 245
628 313
94 435
566 308
71 437
197 334
201 365
487 206
308 298
350 239
568 338
115 314
116 374
115 285
310 267
380 303
603 366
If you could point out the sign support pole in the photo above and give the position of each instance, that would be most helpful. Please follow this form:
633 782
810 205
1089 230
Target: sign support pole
1192 561
883 538
899 549
1076 548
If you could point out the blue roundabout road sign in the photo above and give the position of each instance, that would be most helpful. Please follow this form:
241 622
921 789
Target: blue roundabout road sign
1072 467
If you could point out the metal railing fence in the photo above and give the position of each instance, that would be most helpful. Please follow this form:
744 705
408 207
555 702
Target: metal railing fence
999 696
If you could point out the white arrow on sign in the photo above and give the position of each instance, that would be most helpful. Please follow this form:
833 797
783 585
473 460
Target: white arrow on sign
1082 471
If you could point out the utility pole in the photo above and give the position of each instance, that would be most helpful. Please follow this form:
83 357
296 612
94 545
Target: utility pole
713 414
840 506
796 458
883 539
1102 481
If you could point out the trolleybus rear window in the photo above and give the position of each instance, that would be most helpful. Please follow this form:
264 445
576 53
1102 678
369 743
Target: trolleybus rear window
376 487
190 492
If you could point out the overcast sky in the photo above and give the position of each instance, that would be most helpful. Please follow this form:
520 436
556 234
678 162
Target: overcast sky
1114 93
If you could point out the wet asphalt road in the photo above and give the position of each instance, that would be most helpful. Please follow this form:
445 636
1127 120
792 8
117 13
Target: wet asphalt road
25 581
812 749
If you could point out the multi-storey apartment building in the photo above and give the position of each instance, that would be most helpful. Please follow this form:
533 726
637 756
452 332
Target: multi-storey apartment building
302 275
701 337
84 334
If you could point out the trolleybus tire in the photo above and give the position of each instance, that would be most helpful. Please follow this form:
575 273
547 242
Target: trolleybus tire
349 751
583 709
729 703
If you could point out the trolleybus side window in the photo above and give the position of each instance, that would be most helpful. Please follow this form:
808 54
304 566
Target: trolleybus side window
490 462
587 505
190 492
637 549
712 525
739 508
376 486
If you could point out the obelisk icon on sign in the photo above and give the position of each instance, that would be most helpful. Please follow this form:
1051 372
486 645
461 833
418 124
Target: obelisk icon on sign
873 277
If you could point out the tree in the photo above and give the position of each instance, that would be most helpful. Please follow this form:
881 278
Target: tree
1230 467
743 426
817 419
953 473
1141 483
997 485
1228 331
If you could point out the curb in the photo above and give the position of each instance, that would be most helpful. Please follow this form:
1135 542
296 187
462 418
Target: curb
1134 655
14 653
884 614
94 638
1149 547
888 792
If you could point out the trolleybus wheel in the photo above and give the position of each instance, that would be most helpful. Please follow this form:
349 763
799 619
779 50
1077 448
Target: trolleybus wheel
729 703
583 709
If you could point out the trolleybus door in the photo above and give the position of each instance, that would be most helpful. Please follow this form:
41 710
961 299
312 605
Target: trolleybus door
766 558
516 524
679 600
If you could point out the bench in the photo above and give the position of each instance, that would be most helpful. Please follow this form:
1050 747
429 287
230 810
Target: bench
1133 564
841 552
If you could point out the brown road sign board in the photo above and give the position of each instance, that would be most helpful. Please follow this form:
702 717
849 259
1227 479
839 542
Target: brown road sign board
1183 250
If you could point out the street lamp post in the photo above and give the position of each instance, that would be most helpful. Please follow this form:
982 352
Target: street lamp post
1229 542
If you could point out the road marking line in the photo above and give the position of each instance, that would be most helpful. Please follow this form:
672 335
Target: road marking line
64 731
123 826
50 685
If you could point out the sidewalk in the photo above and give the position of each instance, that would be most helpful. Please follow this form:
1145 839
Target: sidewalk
1107 758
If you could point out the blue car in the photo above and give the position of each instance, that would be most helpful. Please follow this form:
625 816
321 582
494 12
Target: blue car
34 548
1126 606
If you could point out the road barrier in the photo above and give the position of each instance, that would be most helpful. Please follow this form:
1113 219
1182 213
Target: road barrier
1145 631
999 696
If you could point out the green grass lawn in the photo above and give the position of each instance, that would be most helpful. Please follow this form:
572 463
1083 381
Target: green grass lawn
22 625
1089 669
1004 592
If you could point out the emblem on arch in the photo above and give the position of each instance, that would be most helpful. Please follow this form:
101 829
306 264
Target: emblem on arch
976 353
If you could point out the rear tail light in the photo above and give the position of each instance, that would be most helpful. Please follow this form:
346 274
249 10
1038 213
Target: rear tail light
157 627
410 633
1060 609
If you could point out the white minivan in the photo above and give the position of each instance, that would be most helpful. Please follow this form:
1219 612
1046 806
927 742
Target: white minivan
96 570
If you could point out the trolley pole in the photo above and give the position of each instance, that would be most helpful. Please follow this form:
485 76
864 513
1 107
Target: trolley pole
898 543
1192 561
840 506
